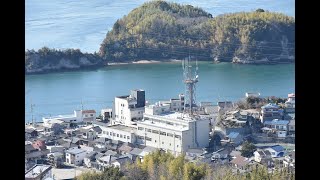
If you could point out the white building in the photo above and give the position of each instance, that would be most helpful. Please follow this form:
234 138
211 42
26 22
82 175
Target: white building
173 131
75 156
252 94
119 132
290 103
77 117
129 108
106 114
39 172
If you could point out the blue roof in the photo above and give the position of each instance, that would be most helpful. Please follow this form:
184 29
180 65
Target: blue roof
276 122
270 105
277 148
233 135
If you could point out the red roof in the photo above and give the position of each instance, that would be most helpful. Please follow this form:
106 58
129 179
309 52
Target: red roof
88 111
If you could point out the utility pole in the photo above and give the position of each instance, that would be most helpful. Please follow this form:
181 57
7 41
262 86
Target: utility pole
33 123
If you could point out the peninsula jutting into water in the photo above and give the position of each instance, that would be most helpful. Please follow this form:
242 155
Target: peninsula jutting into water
160 30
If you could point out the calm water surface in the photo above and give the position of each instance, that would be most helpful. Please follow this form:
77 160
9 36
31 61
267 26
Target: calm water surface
61 93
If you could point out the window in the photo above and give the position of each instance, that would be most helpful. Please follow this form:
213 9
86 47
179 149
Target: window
108 133
177 145
138 112
178 137
155 131
170 144
114 134
124 136
128 137
162 133
162 142
148 138
91 115
169 134
86 115
155 141
148 130
117 135
174 109
121 111
120 135
140 128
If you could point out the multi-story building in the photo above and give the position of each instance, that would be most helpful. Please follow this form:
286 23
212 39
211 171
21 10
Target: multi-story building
118 132
172 131
129 108
269 112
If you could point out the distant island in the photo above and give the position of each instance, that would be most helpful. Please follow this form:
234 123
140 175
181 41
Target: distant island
159 30
50 60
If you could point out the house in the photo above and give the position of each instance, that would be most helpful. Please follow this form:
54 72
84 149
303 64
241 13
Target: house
135 152
125 148
289 160
262 156
39 172
75 156
121 162
290 103
88 115
30 133
281 126
235 138
269 112
89 158
105 161
39 144
276 151
224 106
90 133
221 156
36 155
55 148
29 148
292 127
240 162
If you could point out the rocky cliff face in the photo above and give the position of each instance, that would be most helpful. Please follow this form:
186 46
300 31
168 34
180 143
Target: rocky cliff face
52 60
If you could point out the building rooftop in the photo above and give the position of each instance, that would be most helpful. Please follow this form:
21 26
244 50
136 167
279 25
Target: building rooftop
270 105
76 151
88 111
276 122
122 128
164 125
36 170
277 148
233 135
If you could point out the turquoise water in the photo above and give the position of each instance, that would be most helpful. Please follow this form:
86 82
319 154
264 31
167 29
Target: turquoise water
83 24
61 93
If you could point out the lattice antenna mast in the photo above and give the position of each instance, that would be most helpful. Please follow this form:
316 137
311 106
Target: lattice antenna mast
190 78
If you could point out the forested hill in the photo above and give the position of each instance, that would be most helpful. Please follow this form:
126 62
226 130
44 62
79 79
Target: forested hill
162 30
48 60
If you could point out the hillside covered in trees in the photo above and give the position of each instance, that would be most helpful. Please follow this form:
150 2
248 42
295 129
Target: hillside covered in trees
160 30
47 60
164 166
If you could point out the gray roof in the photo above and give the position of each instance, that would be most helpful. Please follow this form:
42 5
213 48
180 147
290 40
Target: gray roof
29 148
76 151
292 123
91 155
123 160
136 151
97 129
75 140
110 152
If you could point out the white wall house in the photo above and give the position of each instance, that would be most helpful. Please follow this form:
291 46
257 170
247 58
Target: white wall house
119 132
173 131
129 108
269 112
75 156
290 103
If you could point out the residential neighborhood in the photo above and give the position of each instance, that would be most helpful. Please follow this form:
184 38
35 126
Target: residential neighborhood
134 128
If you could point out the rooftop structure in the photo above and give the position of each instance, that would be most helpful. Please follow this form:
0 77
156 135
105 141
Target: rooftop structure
39 171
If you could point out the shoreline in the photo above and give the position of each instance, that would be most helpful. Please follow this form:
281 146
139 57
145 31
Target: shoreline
143 62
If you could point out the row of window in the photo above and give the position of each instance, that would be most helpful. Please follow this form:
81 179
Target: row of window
117 135
159 132
150 139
